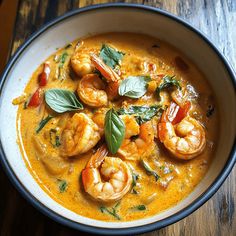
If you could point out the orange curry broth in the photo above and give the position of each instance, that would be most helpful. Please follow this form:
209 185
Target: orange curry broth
157 196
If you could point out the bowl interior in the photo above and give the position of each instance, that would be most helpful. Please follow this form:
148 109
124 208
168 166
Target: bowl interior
121 20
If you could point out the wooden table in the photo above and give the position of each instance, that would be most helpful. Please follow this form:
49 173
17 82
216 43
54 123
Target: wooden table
215 18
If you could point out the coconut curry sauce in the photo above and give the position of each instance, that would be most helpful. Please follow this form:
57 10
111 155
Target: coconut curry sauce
117 126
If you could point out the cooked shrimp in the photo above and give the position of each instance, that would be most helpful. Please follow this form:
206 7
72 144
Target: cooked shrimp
91 91
110 75
99 119
80 135
185 140
106 178
143 145
81 63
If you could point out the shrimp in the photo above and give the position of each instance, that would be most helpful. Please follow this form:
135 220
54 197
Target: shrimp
184 137
106 179
81 63
79 135
110 75
91 91
142 145
99 118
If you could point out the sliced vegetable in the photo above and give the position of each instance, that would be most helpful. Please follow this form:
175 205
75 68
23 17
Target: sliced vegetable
114 131
174 113
61 100
134 86
149 170
111 56
139 208
43 122
54 138
35 100
134 183
142 113
168 81
62 184
43 77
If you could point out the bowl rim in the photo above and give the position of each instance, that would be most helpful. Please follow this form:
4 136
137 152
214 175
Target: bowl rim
211 190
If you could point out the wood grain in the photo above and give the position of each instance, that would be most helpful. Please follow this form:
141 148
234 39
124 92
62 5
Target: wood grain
217 19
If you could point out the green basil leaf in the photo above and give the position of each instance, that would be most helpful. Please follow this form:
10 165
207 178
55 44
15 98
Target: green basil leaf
168 81
142 113
43 122
111 56
149 170
134 86
61 100
114 131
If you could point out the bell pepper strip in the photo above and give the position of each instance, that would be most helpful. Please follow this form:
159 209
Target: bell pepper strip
174 113
43 77
35 100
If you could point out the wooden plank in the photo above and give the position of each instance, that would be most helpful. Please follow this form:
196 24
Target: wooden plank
216 18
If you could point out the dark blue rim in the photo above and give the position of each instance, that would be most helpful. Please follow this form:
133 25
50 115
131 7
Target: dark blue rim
119 231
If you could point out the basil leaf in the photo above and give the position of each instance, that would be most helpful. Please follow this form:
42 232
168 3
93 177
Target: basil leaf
149 170
61 100
114 131
142 113
111 56
134 86
168 81
43 122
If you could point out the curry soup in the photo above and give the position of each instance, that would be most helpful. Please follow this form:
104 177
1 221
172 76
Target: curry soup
117 126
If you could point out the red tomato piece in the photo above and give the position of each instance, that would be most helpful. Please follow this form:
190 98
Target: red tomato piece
35 100
43 77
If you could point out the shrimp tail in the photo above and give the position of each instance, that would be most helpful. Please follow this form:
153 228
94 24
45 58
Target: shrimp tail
98 157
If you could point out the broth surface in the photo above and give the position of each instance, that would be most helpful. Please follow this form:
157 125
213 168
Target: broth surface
60 178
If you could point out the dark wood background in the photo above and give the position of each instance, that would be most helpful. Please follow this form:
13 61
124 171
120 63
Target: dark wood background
217 19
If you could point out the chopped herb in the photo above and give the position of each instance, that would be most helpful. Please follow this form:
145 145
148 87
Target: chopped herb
142 113
54 138
43 122
111 56
168 81
134 183
139 208
210 111
62 184
68 46
149 170
62 59
25 105
112 211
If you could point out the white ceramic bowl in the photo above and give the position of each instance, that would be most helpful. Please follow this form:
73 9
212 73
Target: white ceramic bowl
124 18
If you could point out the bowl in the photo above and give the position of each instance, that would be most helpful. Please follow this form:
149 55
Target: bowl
124 18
